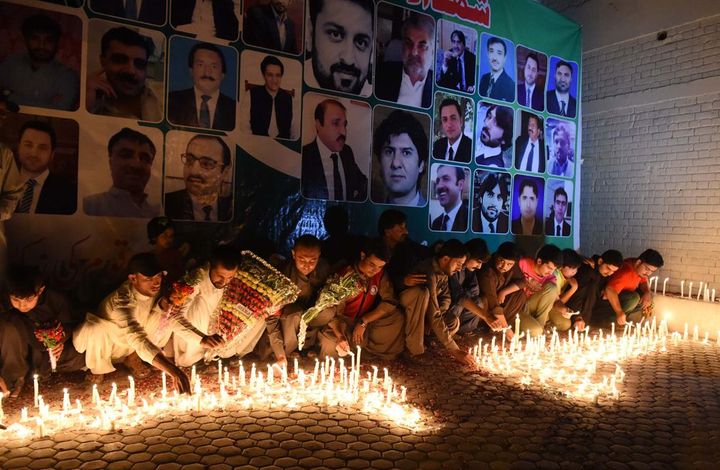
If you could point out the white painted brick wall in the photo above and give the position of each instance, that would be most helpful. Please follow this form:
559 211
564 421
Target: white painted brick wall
651 173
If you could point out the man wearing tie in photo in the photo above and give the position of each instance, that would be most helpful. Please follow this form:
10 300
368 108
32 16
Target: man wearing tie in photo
458 68
455 146
530 148
555 225
449 184
529 94
329 170
559 100
491 216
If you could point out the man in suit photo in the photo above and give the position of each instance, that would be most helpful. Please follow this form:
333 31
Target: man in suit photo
342 37
555 225
147 11
268 109
213 18
455 146
562 158
449 184
410 81
44 192
203 105
496 83
400 145
530 147
268 26
492 216
528 94
207 164
559 100
458 68
495 138
528 222
329 170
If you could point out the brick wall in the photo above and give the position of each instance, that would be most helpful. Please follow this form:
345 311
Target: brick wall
651 150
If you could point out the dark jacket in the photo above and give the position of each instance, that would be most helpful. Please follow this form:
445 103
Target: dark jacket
464 151
58 196
537 227
261 104
151 11
503 89
178 205
521 145
182 110
536 99
313 179
452 78
389 78
459 224
260 29
226 23
553 106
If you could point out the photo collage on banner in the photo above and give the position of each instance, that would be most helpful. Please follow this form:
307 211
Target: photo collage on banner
135 110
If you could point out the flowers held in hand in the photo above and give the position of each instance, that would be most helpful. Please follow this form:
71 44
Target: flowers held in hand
51 337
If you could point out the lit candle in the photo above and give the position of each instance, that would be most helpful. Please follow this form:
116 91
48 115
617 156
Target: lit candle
131 392
24 411
66 400
242 374
96 395
36 389
193 375
220 371
296 366
164 385
712 295
685 335
695 333
682 288
690 290
665 284
700 290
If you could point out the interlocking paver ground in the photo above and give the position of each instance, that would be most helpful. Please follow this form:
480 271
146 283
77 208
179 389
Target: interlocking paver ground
668 415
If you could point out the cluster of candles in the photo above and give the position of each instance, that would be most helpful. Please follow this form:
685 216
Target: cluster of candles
331 383
573 363
703 293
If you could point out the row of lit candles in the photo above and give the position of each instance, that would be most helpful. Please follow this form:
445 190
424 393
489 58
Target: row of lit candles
704 292
330 383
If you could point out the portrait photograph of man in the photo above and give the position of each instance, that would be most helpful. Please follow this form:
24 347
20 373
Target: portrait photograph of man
449 191
400 157
531 73
274 24
558 208
405 56
494 135
144 11
46 150
497 68
527 205
452 137
206 19
40 57
203 84
561 147
271 95
530 144
340 45
491 202
456 47
562 88
125 73
336 151
198 177
127 182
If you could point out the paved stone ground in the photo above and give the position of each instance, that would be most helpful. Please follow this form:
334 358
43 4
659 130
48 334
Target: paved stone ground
667 416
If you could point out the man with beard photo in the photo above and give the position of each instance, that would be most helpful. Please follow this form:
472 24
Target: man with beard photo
119 88
203 105
207 163
496 83
528 222
559 100
458 68
491 216
494 145
410 82
35 77
449 184
342 43
329 170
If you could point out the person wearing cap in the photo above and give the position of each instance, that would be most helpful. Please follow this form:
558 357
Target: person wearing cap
129 327
161 235
198 307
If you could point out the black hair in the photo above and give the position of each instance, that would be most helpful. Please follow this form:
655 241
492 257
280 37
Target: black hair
459 171
563 63
534 57
508 251
504 119
23 281
477 249
497 40
560 192
401 122
271 60
612 257
489 181
459 34
550 254
452 248
307 241
652 257
41 126
321 106
130 134
227 157
40 23
571 258
375 247
451 102
389 219
128 37
206 46
316 6
225 256
528 183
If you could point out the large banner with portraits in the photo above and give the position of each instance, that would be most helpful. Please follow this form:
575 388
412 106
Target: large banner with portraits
249 118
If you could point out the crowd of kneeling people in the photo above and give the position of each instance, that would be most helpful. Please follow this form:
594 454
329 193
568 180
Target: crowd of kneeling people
411 294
